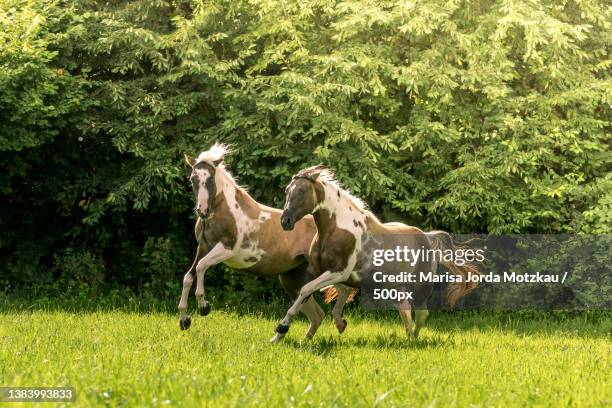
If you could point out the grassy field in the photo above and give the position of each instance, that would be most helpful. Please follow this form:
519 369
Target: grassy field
120 358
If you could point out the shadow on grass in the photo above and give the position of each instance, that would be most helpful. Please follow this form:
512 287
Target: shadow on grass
586 325
323 346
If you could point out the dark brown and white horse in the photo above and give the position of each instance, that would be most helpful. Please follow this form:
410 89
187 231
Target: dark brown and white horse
235 229
341 251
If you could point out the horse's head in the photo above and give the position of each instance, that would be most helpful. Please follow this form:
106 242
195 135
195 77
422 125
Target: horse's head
203 171
203 184
303 195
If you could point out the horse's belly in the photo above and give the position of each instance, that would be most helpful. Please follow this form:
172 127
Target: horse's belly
239 263
261 263
269 265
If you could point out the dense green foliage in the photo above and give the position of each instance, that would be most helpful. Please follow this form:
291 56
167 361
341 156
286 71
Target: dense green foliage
120 359
466 116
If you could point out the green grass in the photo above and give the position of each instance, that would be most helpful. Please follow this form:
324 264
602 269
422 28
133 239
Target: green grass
121 358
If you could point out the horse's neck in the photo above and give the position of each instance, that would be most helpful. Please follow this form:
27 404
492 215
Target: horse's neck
237 199
338 211
324 221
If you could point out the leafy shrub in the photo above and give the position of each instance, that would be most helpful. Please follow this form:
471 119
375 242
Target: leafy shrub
79 271
162 259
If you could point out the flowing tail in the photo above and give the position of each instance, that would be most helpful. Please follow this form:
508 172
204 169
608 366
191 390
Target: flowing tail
441 240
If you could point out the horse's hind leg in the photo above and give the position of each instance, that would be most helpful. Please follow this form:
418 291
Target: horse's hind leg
421 313
405 310
343 294
315 315
292 282
420 317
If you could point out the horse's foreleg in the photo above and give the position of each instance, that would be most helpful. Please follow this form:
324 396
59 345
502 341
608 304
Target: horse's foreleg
292 282
343 294
315 315
325 279
217 254
185 320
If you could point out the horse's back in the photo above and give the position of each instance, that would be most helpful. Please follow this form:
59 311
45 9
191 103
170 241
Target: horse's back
401 228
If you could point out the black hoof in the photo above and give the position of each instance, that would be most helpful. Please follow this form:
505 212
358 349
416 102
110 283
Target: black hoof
204 310
282 329
342 327
185 324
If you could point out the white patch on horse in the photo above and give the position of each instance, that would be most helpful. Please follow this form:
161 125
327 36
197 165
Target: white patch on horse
350 221
242 256
288 194
203 176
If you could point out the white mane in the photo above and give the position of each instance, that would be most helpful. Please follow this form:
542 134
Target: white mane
326 175
214 154
329 177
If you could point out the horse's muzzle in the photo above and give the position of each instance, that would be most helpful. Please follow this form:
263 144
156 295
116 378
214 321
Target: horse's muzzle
201 214
286 222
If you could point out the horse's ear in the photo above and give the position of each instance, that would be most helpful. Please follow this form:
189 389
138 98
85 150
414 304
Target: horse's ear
189 160
217 162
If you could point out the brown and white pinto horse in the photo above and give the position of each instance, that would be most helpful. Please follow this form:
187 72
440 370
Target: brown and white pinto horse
341 251
235 229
